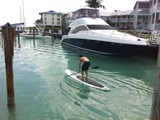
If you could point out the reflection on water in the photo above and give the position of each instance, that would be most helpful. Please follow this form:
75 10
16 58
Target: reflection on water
12 113
43 92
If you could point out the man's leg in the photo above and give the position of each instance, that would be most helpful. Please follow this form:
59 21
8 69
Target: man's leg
86 74
82 75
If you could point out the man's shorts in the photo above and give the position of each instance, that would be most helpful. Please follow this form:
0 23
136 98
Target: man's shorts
85 66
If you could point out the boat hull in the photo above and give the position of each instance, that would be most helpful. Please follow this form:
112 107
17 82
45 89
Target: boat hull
35 36
103 47
150 51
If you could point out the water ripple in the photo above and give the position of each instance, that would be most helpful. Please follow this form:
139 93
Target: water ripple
44 92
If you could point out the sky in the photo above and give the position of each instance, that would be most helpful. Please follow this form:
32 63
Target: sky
12 10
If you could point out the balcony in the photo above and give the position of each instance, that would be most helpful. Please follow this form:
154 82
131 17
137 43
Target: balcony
157 26
155 8
122 20
143 11
154 26
113 19
158 7
131 20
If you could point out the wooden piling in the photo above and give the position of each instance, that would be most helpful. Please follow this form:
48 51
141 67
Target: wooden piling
155 111
34 33
8 40
18 34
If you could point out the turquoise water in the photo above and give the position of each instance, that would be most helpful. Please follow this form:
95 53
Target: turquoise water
43 92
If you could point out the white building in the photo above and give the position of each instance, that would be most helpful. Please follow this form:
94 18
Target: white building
121 19
141 15
154 23
105 15
144 16
50 20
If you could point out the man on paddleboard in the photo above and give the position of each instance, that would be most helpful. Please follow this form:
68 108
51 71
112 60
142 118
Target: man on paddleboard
84 67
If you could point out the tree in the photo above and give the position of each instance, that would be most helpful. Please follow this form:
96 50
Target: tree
38 21
95 3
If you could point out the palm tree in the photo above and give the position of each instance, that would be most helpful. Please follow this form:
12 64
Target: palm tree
95 3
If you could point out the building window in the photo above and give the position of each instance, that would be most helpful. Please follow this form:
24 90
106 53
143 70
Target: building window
45 22
52 23
45 18
58 19
52 18
58 23
58 15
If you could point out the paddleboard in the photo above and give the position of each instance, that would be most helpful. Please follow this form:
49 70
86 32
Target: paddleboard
91 83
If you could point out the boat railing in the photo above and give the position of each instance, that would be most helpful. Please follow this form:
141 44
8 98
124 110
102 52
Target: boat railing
110 34
154 38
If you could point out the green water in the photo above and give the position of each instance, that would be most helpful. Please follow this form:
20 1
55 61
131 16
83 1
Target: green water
43 92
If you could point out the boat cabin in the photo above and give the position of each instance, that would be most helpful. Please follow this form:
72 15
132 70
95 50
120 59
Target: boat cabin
85 12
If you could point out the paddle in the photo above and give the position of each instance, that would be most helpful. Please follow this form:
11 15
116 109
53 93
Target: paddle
96 67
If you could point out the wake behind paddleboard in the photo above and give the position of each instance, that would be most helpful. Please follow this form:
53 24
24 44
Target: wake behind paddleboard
92 83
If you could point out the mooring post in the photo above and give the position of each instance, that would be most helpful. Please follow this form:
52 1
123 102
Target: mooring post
155 111
18 34
8 39
33 32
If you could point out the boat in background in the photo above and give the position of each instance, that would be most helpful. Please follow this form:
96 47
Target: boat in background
87 31
34 33
36 36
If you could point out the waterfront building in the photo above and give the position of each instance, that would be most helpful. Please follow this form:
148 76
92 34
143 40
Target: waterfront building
105 15
121 19
137 19
154 11
144 16
141 15
50 20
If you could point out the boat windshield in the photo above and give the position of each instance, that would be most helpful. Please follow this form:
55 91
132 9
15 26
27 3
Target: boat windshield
79 28
99 27
93 13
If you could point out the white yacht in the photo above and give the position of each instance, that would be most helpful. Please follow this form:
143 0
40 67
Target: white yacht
87 31
37 34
